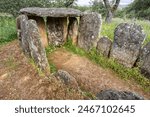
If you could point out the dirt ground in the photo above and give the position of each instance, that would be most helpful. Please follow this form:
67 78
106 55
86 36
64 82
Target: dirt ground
19 79
90 76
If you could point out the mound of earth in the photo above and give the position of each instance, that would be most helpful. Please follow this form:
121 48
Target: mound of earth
19 79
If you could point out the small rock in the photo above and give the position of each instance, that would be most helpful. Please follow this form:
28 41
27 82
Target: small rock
118 95
67 79
104 46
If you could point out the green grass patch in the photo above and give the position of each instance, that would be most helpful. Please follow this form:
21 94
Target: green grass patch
49 50
123 72
7 29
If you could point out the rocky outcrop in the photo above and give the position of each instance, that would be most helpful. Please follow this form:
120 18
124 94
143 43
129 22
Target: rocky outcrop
127 43
73 30
118 95
36 48
67 79
104 46
89 29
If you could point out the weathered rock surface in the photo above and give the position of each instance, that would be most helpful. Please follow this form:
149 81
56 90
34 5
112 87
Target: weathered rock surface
127 43
36 48
57 30
104 46
144 52
23 36
145 60
51 12
67 79
118 95
89 30
73 29
42 29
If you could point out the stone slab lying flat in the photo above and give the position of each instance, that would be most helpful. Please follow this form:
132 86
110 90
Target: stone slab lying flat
51 12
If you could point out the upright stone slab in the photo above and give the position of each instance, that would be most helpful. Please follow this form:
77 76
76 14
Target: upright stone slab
145 60
23 20
57 30
89 30
36 48
104 46
73 29
42 29
127 43
18 23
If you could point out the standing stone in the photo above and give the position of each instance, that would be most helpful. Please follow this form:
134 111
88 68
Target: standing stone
145 60
18 22
127 43
36 48
57 30
73 29
24 34
144 52
89 30
104 46
42 29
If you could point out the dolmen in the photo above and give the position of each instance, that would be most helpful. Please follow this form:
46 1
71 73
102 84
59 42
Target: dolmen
40 27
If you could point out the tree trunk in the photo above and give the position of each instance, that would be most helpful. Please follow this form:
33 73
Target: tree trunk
109 16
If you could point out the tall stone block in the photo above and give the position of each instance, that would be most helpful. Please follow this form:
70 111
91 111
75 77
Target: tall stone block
89 30
57 30
42 29
73 29
23 33
36 48
127 43
145 60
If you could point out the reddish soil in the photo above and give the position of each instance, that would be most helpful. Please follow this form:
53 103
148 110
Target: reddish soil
19 79
90 76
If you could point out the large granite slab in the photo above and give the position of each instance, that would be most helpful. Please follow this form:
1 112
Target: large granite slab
51 12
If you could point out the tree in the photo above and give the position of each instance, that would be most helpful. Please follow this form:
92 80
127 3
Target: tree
139 9
98 6
110 9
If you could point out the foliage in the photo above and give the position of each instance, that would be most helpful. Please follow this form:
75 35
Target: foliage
49 50
7 29
123 72
98 6
13 6
139 9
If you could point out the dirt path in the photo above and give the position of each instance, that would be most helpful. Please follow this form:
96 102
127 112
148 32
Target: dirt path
90 76
20 80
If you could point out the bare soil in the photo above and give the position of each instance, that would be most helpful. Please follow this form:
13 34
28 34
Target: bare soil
90 76
19 79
